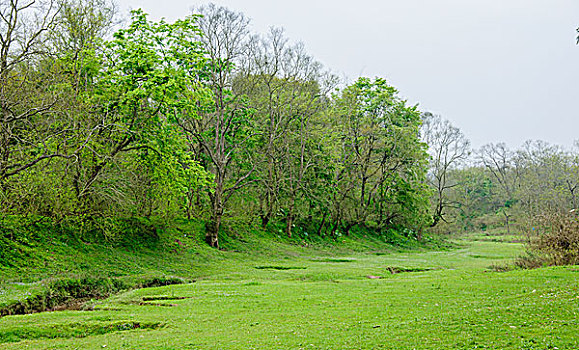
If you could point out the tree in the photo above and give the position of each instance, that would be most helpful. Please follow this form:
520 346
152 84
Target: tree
31 126
221 136
549 178
380 162
146 79
286 87
448 148
472 197
500 162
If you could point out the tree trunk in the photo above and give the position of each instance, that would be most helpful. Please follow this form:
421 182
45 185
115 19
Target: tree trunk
290 217
347 229
189 206
212 230
322 224
214 225
572 191
266 212
289 224
419 235
264 220
507 224
335 228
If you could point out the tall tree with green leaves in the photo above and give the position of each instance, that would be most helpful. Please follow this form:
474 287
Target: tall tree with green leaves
287 88
381 162
147 79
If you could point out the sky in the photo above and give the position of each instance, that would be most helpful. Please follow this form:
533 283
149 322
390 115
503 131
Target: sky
500 70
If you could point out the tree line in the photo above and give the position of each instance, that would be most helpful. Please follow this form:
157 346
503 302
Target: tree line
495 186
199 118
532 190
104 120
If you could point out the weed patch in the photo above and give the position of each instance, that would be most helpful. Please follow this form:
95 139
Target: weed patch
500 267
398 269
478 256
253 283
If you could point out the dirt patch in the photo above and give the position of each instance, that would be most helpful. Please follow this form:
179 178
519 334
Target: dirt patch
164 297
157 304
397 269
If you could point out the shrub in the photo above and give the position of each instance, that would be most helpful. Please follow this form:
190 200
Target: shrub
557 238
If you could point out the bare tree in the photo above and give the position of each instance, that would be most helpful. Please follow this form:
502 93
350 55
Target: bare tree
31 130
448 148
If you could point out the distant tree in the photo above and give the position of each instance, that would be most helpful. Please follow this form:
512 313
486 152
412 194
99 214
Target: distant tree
499 160
448 148
549 177
80 25
472 196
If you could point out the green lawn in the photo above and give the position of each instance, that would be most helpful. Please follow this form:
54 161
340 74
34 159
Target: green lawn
309 299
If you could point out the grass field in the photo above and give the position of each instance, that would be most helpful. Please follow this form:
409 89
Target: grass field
318 299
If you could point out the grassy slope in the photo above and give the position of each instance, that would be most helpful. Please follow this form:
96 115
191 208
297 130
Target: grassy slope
325 301
34 252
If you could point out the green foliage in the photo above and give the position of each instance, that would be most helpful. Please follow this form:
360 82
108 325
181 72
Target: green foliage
60 292
196 119
381 163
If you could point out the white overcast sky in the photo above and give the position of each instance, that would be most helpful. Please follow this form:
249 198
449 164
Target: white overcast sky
501 70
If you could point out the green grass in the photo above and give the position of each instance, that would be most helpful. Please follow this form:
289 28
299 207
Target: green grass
32 249
321 298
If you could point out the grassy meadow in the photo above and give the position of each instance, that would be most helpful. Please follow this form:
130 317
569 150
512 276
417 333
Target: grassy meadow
296 297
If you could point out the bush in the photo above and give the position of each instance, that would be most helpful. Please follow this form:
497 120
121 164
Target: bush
531 260
557 238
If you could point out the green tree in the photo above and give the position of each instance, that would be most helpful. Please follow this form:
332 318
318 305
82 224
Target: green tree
287 88
147 79
380 161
